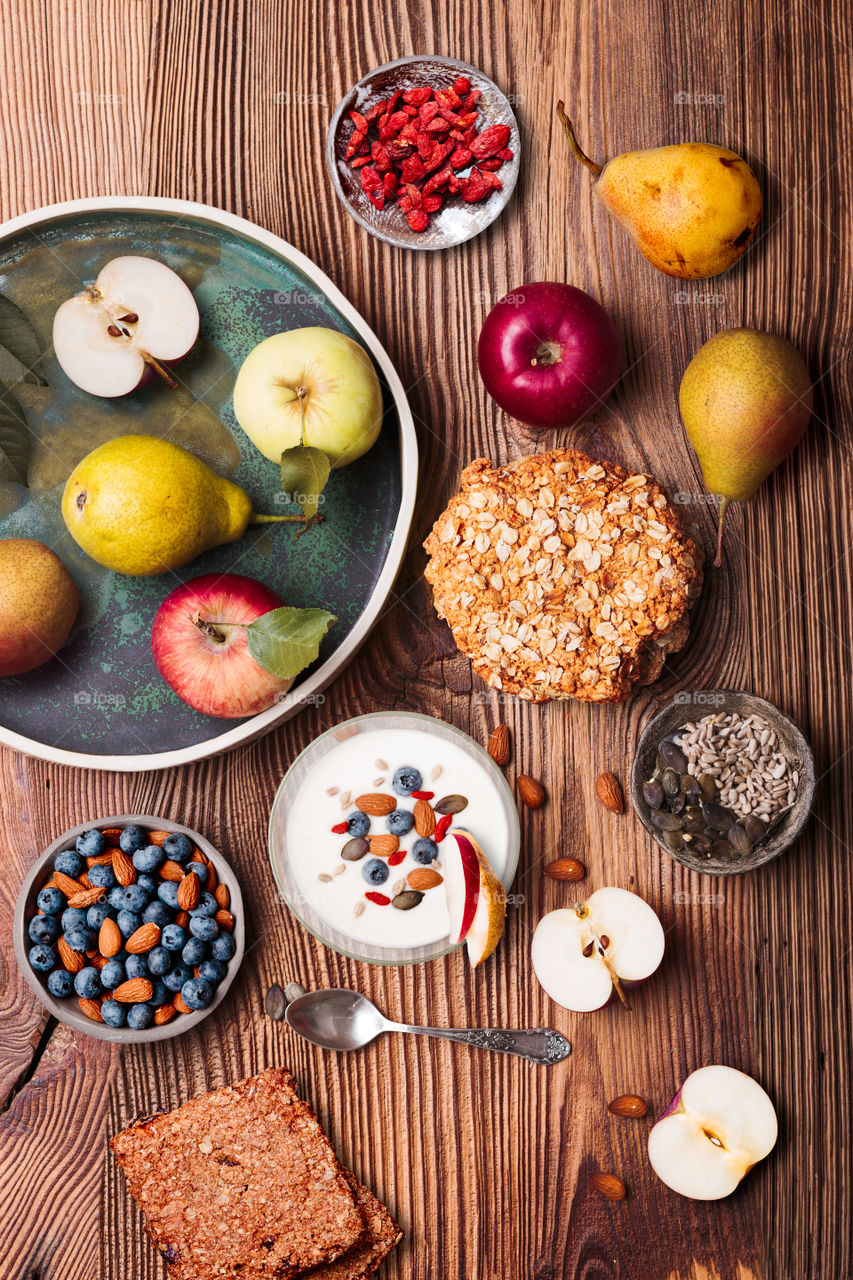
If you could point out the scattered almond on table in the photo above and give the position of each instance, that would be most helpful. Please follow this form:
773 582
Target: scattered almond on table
532 793
609 792
499 746
611 1187
628 1105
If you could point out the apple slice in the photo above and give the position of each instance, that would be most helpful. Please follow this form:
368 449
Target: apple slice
475 897
720 1123
582 954
136 319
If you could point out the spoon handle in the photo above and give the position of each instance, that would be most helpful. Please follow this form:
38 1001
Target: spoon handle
539 1045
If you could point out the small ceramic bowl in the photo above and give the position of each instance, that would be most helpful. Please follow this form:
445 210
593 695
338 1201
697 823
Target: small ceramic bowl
690 707
67 1010
456 222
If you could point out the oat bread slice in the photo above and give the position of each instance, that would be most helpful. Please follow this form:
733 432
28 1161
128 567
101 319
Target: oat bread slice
563 577
381 1235
240 1182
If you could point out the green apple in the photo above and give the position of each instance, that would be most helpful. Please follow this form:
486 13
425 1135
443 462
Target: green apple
311 386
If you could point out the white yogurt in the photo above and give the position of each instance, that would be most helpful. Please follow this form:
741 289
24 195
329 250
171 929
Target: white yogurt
353 766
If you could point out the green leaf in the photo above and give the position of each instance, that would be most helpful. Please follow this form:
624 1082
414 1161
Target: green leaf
19 340
304 472
284 641
14 439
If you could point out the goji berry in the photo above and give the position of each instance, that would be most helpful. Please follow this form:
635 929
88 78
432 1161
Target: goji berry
398 119
432 204
427 112
340 828
377 198
390 182
410 111
438 180
359 161
399 150
379 899
395 859
417 97
418 220
412 169
489 166
414 194
440 152
461 158
375 112
476 187
405 204
370 179
394 99
490 140
472 99
438 125
447 98
356 139
424 146
380 157
441 828
422 795
505 153
359 121
461 85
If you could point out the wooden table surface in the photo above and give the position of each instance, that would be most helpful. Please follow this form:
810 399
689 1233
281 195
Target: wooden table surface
485 1159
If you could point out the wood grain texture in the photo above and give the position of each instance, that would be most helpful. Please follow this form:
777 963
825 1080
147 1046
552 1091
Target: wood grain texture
485 1160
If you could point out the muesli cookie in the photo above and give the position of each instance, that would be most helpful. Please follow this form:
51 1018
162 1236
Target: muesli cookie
381 1235
563 577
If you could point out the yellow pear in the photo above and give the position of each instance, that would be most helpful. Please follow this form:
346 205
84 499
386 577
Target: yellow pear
691 209
141 506
745 399
38 604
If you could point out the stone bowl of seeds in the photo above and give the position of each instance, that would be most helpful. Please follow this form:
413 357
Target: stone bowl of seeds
723 781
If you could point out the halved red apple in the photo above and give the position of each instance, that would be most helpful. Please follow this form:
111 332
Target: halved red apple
476 898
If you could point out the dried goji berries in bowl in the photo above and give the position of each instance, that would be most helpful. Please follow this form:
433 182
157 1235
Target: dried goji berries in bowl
71 889
424 152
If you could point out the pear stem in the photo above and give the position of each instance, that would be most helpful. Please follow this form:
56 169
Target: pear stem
159 369
257 518
719 557
569 131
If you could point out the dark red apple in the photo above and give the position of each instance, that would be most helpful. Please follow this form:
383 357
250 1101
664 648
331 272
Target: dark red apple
549 354
199 644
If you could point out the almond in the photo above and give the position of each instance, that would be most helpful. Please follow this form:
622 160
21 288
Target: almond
424 818
86 882
112 835
629 1105
87 897
109 938
143 939
172 871
609 792
71 960
134 991
98 962
180 1004
611 1187
100 859
376 805
189 892
222 896
565 869
123 868
423 878
65 884
532 792
499 748
91 1008
182 918
158 837
383 846
224 919
164 1014
211 877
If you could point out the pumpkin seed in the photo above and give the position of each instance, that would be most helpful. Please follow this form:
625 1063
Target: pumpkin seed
275 1003
405 901
722 851
693 821
754 828
355 849
673 840
671 782
451 804
690 786
677 802
717 818
673 755
738 838
665 821
653 793
708 786
700 845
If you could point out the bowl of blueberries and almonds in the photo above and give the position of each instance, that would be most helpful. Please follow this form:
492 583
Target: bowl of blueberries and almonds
130 928
723 780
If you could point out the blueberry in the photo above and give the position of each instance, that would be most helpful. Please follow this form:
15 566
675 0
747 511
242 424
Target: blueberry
115 897
178 847
203 927
51 901
160 961
162 994
176 977
139 1016
406 780
80 938
97 914
44 929
101 876
213 971
207 906
157 913
128 922
173 937
424 851
168 892
91 843
148 883
223 947
136 966
69 863
113 974
42 957
113 1013
73 918
134 898
194 952
131 839
60 983
87 983
375 871
197 994
148 858
399 822
358 824
199 869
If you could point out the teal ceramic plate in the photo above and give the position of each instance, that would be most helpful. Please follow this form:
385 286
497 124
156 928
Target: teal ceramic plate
101 703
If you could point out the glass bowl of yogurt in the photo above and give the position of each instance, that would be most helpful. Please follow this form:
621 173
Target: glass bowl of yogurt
356 879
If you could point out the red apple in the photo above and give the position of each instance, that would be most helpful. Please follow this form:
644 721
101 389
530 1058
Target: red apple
549 354
199 644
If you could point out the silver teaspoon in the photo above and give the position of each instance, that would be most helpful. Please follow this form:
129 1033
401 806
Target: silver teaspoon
340 1020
